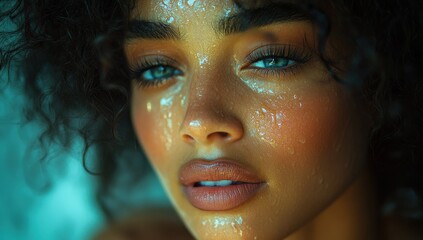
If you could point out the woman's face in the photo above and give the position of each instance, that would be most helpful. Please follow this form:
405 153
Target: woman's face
249 133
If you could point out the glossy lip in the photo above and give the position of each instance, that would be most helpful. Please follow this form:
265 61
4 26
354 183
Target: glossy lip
218 198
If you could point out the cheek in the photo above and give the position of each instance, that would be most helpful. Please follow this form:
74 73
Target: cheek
311 144
312 135
155 121
330 130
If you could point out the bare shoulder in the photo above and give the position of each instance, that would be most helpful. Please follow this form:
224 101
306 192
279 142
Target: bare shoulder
148 224
398 228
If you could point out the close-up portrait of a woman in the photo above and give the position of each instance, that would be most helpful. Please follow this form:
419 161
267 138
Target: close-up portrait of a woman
267 119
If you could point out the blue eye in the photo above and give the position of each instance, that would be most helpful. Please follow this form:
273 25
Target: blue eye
276 59
154 70
273 62
159 73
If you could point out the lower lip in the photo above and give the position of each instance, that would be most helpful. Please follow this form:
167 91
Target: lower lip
221 198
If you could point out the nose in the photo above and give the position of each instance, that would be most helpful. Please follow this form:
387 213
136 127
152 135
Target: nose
208 119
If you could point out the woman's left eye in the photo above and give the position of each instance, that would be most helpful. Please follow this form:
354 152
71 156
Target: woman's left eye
276 59
273 62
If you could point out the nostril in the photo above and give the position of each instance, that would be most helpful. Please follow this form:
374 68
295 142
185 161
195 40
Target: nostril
187 138
223 134
209 130
219 135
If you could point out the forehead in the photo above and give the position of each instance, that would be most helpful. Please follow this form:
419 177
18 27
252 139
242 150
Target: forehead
169 10
173 11
167 19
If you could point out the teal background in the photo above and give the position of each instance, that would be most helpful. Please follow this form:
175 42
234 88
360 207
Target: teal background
53 198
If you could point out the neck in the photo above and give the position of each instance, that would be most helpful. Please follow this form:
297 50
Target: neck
351 216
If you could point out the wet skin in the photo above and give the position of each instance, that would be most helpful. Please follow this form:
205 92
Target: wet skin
260 97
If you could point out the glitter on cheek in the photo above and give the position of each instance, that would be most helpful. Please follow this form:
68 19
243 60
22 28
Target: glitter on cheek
166 116
258 87
183 100
268 124
165 109
166 102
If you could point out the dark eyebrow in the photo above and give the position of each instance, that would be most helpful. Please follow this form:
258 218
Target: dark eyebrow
266 15
152 30
240 22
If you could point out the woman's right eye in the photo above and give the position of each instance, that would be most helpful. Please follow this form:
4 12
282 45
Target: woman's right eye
154 73
159 73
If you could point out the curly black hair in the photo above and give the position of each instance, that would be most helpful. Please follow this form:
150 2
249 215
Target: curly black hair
70 57
63 51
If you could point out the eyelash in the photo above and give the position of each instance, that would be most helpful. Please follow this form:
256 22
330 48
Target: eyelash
288 52
148 63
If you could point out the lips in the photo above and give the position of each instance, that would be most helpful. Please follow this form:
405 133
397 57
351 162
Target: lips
217 185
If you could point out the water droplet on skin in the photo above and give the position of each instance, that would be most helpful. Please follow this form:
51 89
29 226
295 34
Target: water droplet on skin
320 180
291 150
166 102
195 123
257 87
148 106
165 5
170 20
225 224
302 140
239 220
183 99
279 117
202 59
181 4
167 130
263 119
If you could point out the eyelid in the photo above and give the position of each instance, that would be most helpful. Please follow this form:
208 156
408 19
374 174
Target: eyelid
148 62
291 52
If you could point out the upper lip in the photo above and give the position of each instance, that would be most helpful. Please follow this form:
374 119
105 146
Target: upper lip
198 170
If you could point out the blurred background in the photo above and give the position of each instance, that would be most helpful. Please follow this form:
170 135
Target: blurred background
53 198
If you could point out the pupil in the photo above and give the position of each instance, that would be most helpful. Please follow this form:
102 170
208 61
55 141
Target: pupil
162 72
276 62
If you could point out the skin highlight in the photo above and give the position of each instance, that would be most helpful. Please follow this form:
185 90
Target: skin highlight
302 132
